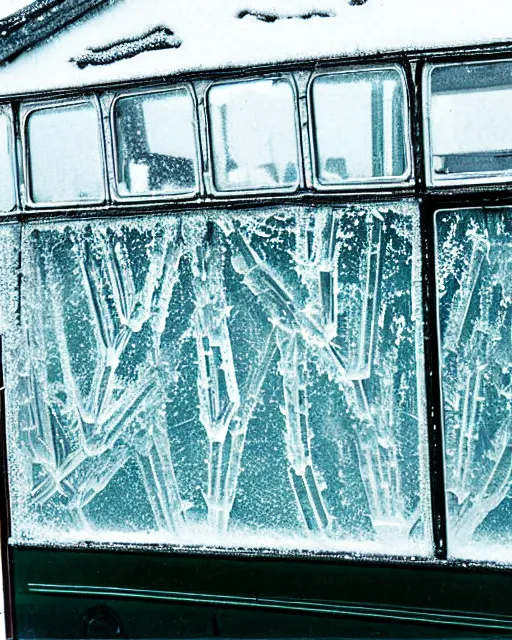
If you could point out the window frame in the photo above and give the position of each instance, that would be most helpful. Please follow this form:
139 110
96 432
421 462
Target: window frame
258 191
29 108
111 138
456 179
6 109
407 179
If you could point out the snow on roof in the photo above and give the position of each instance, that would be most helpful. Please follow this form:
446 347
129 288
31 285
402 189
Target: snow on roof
210 34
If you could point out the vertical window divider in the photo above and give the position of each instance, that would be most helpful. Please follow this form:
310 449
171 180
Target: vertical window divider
201 186
200 89
23 155
95 100
431 336
302 79
105 104
433 385
7 111
21 177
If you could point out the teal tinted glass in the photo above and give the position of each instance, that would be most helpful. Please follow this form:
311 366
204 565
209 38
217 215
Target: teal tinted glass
474 276
248 380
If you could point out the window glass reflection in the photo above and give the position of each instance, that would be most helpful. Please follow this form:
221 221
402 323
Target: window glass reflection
359 126
65 156
253 135
470 127
7 174
155 143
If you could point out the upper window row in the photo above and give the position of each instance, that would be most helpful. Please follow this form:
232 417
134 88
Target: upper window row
153 145
358 134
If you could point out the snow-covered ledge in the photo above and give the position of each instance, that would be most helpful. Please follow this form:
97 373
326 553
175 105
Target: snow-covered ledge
237 33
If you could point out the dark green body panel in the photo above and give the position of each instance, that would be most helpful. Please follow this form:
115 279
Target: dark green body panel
61 594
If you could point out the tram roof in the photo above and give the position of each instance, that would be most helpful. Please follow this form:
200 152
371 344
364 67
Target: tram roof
107 41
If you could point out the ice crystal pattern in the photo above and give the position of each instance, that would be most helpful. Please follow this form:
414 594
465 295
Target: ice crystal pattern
253 373
475 310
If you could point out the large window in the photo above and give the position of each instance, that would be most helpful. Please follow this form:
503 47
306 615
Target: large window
469 122
360 127
65 155
253 135
155 135
257 373
474 275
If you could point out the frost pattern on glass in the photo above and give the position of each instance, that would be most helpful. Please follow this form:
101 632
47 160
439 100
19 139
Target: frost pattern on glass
155 143
255 373
7 164
65 155
253 135
359 127
475 314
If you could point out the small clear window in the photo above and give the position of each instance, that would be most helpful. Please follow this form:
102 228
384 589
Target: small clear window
359 126
253 134
470 125
65 158
7 164
156 144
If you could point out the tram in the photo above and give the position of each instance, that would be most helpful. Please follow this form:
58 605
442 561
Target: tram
256 321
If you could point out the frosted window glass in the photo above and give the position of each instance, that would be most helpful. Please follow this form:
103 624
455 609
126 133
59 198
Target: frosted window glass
156 146
474 268
359 127
253 135
471 132
65 157
7 164
251 379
